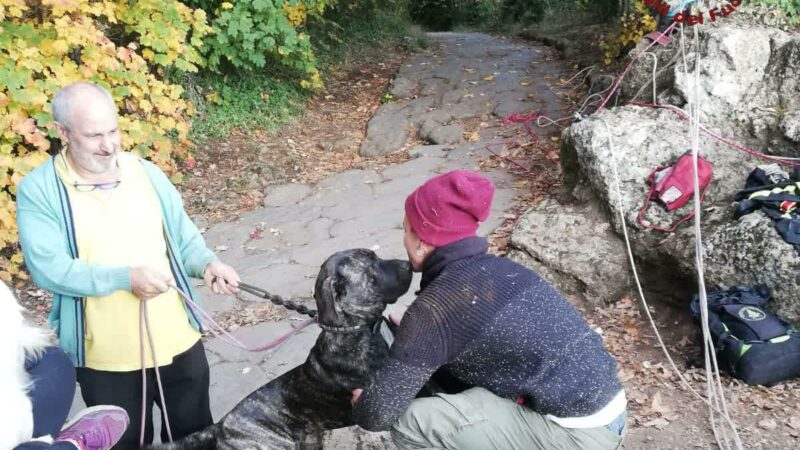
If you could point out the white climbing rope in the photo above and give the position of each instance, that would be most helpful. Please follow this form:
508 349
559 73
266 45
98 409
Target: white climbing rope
622 213
715 398
714 386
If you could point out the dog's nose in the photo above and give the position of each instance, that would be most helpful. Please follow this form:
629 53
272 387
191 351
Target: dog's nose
402 266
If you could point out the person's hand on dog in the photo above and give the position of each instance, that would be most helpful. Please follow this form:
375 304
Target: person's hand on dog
221 278
147 283
356 395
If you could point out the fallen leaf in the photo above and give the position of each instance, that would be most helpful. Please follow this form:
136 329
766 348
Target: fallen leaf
660 423
768 424
474 137
489 78
220 248
524 83
658 406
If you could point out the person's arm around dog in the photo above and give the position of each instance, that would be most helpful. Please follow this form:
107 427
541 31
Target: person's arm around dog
522 369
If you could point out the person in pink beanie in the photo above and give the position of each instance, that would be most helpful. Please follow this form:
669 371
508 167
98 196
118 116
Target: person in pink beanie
512 363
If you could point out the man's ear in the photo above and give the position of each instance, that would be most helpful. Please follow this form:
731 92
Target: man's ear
62 133
327 305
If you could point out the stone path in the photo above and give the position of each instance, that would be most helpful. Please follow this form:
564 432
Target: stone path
462 76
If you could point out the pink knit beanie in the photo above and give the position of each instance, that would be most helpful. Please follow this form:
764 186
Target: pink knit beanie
448 208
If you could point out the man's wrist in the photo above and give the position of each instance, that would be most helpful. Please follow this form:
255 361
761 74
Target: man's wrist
208 265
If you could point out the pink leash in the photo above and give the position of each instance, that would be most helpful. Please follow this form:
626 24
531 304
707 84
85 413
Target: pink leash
205 321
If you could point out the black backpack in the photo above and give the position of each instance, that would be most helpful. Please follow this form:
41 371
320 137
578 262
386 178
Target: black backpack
751 343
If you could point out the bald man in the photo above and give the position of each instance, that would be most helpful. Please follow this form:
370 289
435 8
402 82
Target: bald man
105 230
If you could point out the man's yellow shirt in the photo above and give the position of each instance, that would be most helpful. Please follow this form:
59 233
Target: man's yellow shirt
123 226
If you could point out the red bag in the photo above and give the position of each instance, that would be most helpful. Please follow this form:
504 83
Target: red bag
673 187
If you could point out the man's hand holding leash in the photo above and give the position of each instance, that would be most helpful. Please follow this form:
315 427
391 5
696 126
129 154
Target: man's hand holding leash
221 278
147 283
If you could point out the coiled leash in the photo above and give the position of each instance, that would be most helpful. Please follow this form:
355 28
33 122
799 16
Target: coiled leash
207 322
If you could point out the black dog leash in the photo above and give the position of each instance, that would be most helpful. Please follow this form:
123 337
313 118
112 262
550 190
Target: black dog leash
278 300
381 326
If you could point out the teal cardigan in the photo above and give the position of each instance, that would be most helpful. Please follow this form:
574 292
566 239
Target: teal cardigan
47 236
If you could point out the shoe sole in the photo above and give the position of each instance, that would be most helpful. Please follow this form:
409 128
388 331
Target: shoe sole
88 411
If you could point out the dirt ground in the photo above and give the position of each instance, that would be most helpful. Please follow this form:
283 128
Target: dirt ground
233 175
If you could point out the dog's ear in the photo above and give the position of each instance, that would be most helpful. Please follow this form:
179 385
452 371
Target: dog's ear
327 307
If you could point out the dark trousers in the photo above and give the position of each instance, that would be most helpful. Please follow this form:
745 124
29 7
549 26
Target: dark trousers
53 377
185 384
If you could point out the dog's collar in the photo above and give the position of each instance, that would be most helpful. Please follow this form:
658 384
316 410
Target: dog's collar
336 329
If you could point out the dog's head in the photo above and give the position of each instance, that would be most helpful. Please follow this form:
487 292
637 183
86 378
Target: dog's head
354 286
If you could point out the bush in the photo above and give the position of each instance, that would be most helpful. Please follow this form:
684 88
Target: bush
488 14
437 15
778 12
633 28
47 44
250 35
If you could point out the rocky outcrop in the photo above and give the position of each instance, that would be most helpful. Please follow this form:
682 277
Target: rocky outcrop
749 92
749 84
574 248
747 251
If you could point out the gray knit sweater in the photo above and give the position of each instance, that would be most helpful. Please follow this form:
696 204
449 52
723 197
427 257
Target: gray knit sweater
490 322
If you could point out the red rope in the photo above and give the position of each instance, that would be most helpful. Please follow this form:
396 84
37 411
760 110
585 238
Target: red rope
730 143
525 120
627 69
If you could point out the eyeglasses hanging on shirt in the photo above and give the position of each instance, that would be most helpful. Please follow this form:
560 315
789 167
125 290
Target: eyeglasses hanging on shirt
89 187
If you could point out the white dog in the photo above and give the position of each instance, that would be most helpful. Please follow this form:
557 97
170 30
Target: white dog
17 340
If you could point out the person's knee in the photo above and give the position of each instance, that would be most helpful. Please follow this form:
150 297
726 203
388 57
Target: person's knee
419 414
430 422
54 363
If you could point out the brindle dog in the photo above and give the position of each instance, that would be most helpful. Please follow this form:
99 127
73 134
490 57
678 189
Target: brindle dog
291 412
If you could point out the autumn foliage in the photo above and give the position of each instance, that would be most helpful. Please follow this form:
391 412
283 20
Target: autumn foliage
134 49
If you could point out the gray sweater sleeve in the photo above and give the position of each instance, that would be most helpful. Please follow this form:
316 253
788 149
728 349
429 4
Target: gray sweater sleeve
385 400
420 348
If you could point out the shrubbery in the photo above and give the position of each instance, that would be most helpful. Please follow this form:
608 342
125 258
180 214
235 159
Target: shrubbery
124 46
446 14
142 51
779 11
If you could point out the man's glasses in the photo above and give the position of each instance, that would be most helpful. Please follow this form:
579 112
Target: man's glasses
89 187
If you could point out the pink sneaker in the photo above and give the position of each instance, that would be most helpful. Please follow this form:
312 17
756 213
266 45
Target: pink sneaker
95 428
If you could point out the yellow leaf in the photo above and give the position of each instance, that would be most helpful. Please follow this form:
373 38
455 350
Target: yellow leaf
474 137
489 78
